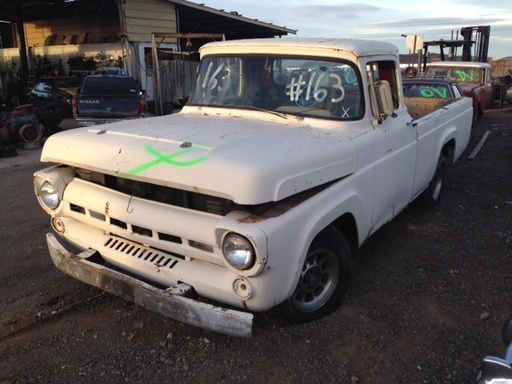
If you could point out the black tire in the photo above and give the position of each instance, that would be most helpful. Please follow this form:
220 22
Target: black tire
324 279
5 136
51 120
431 196
477 114
506 332
57 115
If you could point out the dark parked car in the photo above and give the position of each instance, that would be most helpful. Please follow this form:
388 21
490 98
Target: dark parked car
105 99
58 90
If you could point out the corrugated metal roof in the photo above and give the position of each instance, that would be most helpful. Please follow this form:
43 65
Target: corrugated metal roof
194 18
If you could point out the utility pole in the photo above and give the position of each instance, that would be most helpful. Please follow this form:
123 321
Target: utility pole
21 40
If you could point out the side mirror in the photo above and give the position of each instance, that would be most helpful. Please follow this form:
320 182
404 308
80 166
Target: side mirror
381 100
182 101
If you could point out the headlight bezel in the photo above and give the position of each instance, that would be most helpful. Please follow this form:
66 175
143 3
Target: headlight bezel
238 251
49 195
58 176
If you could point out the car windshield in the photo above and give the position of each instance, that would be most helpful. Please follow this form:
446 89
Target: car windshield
438 91
298 86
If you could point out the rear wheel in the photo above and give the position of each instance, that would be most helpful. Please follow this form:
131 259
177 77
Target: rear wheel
477 114
324 279
431 196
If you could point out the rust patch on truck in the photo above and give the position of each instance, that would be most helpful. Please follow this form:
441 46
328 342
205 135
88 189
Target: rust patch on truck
275 209
251 219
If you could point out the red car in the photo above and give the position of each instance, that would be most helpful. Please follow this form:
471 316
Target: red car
473 77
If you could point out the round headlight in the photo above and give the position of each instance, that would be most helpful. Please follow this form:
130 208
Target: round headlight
49 195
238 252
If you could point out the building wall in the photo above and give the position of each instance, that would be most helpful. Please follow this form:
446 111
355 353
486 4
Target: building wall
74 29
96 33
141 18
144 17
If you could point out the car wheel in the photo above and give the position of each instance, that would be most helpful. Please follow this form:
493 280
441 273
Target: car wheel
475 117
31 133
477 114
324 279
431 196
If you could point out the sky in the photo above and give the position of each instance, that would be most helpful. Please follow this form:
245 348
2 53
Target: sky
382 20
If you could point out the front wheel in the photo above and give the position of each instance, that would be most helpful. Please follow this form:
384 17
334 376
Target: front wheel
324 278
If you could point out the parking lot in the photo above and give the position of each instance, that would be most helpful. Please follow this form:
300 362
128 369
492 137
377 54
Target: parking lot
430 292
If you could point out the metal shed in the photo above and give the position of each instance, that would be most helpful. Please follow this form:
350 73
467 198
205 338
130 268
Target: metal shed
79 36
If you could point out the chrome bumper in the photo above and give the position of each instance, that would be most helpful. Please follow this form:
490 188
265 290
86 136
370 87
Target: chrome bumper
171 302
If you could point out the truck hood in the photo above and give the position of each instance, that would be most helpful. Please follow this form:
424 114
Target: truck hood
251 160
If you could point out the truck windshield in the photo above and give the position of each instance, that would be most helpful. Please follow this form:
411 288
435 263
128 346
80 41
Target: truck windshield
462 75
298 86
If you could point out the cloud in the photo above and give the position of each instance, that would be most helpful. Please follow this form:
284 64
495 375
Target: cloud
343 11
496 4
385 20
429 23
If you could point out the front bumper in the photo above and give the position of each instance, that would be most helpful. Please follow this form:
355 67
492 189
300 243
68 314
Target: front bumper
171 302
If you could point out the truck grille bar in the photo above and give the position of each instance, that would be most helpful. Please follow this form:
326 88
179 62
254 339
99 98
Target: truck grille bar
143 253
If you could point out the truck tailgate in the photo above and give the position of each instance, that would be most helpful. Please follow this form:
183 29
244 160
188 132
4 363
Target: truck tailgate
109 106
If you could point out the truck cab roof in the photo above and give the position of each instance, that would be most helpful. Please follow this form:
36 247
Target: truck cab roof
462 64
355 46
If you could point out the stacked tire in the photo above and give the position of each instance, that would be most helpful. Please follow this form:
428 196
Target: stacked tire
31 135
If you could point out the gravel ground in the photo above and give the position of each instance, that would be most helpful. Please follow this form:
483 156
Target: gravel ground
429 296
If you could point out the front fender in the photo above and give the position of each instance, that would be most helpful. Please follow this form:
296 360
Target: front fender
291 234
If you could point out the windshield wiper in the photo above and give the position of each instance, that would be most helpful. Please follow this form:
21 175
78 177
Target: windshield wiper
254 108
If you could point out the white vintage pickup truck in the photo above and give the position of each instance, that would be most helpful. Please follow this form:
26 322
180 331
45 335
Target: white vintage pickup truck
289 154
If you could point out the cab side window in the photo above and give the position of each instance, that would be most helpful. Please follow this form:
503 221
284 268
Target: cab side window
384 71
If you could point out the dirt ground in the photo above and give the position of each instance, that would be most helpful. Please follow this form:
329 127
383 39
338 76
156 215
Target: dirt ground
430 292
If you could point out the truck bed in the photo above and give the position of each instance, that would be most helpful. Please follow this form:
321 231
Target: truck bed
419 107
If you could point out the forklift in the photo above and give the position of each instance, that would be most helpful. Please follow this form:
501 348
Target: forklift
472 37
